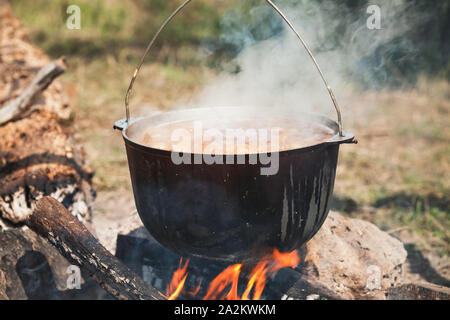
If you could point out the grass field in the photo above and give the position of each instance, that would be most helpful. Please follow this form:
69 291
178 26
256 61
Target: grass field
398 176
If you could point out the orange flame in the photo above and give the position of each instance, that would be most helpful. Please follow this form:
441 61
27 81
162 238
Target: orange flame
285 260
264 270
258 280
229 278
178 280
196 290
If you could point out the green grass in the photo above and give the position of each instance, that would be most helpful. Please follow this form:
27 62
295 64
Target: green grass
108 26
403 173
102 22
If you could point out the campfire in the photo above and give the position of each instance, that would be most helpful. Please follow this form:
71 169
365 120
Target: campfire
225 285
224 201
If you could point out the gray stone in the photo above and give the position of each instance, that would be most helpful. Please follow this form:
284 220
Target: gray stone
353 258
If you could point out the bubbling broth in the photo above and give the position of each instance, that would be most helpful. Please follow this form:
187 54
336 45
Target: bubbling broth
237 136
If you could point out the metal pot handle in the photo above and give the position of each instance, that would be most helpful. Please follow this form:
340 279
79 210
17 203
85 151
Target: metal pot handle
184 4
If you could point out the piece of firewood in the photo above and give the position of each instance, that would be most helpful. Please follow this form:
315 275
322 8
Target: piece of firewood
53 221
41 81
419 291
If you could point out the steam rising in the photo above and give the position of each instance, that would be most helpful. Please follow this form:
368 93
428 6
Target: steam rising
277 72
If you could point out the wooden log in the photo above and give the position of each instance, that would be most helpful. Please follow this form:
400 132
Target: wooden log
32 268
41 81
3 295
53 221
419 291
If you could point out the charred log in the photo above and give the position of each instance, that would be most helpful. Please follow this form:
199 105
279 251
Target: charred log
52 220
31 268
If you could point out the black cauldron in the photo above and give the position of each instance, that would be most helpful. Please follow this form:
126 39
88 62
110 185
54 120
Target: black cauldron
231 211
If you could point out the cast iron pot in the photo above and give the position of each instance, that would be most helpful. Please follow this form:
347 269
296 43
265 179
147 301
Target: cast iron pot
230 211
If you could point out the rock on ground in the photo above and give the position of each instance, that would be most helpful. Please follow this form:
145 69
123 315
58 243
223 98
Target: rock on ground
353 258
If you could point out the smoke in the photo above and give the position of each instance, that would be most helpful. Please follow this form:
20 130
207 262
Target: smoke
272 69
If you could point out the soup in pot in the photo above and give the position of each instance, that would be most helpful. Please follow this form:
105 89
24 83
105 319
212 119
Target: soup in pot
237 136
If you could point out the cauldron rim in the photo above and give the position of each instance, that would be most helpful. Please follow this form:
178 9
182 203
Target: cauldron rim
348 137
